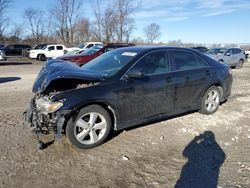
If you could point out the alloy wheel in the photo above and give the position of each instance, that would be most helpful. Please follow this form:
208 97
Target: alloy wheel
212 100
90 128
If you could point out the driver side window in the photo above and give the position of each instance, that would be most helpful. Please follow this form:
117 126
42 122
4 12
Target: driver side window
153 63
230 51
51 48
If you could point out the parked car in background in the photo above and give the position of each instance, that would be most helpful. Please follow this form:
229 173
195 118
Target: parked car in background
48 51
84 46
247 53
201 49
123 88
15 49
1 46
2 56
234 57
88 45
93 52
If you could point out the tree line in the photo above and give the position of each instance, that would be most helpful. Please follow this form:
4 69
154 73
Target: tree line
65 22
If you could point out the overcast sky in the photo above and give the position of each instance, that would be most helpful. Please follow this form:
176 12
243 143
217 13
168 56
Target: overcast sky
197 21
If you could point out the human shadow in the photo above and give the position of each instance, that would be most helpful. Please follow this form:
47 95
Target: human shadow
8 79
204 160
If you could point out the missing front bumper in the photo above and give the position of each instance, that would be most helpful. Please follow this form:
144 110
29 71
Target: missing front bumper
44 123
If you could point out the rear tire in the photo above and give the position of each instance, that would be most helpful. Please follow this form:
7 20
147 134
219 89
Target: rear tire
210 101
90 128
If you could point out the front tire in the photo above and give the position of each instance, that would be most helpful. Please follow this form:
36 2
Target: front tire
210 101
43 57
90 128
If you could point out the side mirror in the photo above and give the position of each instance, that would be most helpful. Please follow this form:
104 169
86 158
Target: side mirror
228 54
135 74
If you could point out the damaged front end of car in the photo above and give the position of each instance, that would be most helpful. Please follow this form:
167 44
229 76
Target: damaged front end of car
44 116
46 113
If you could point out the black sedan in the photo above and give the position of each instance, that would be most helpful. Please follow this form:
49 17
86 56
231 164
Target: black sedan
122 88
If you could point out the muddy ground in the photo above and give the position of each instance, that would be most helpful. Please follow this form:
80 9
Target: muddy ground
159 154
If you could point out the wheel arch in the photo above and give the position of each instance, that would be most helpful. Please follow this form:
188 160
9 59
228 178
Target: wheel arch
219 86
104 105
40 54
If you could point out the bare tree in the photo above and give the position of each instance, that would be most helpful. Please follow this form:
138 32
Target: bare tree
152 32
124 9
114 22
108 24
66 14
83 30
36 22
4 21
17 31
97 30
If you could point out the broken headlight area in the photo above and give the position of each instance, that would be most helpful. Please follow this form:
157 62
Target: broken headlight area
44 116
44 105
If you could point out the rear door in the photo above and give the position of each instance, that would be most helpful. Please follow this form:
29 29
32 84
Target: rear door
59 50
51 52
192 75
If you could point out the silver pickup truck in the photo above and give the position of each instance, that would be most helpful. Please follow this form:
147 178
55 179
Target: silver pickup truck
234 57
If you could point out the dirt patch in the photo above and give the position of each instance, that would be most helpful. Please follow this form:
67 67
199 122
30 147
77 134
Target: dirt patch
154 152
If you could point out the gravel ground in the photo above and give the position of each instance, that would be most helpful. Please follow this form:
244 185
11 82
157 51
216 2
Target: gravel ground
156 155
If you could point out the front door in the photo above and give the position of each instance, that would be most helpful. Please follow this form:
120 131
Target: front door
149 96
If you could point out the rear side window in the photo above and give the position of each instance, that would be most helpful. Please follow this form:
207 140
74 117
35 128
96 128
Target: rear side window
51 48
154 63
237 51
201 62
11 47
59 47
184 60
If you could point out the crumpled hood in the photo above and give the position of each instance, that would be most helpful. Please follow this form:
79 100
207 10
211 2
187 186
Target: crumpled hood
57 69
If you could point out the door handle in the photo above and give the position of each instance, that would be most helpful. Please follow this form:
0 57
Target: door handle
208 73
187 79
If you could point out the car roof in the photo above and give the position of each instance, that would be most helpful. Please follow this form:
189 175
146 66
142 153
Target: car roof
151 48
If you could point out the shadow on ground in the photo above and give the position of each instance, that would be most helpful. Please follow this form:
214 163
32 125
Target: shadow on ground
8 79
205 158
15 63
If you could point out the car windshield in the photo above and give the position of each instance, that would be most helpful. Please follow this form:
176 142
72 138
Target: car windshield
39 46
92 50
44 47
81 46
111 62
217 51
